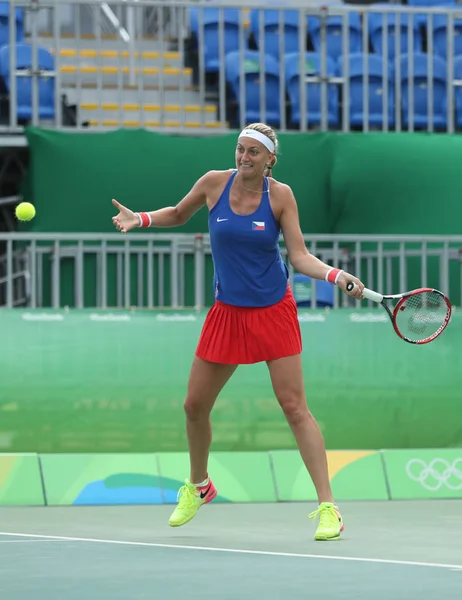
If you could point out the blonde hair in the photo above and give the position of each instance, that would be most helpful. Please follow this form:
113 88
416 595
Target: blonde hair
269 132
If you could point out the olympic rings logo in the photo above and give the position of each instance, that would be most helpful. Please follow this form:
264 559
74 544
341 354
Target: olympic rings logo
437 474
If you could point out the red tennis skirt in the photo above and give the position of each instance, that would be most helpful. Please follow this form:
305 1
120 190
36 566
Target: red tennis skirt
239 335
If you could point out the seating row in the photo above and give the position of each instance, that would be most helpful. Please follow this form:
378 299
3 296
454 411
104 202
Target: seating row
387 33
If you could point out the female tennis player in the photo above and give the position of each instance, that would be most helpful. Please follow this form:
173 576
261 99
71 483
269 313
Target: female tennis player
254 316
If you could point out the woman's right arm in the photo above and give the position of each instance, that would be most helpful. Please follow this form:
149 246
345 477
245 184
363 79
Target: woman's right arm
171 216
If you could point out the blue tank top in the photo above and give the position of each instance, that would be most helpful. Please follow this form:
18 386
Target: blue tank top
249 270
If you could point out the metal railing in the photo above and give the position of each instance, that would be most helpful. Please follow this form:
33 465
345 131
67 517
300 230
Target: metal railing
355 73
161 270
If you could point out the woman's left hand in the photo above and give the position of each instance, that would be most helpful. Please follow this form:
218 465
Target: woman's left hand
346 278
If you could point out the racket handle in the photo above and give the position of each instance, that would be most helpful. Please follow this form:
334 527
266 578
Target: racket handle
368 294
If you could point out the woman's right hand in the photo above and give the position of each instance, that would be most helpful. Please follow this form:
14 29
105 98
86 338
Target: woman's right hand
126 219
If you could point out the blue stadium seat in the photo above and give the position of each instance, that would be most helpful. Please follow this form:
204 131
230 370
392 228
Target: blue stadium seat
302 291
334 37
381 24
210 22
375 77
290 20
313 90
419 86
4 24
440 35
458 91
252 80
46 85
422 18
431 3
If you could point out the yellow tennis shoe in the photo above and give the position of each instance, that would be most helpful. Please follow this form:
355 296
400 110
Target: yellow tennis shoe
190 498
330 522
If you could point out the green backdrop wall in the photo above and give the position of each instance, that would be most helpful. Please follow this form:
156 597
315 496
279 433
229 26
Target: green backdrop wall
344 183
84 381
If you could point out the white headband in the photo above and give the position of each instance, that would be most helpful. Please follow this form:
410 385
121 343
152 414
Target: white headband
256 135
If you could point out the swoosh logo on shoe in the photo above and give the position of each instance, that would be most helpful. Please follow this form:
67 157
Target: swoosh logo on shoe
204 494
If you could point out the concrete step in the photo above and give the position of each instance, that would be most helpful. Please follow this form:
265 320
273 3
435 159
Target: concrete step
134 96
127 87
123 75
147 112
92 69
109 42
151 124
119 58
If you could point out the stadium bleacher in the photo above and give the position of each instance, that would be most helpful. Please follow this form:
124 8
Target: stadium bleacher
385 68
404 79
4 24
46 85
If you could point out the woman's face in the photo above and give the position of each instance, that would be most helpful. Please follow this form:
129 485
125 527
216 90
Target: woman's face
251 158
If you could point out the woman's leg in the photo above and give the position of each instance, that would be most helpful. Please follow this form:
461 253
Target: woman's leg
287 379
206 381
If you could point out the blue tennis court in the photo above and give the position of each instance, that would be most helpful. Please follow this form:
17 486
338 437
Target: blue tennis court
399 550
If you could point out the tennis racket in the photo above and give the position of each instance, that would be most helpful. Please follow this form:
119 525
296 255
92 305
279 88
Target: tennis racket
419 316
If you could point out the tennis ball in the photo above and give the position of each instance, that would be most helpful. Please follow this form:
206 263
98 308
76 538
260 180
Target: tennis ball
25 211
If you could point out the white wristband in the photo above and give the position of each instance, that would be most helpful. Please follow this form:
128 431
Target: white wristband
140 219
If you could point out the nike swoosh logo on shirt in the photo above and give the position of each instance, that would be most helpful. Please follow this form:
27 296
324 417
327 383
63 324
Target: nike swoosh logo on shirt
220 220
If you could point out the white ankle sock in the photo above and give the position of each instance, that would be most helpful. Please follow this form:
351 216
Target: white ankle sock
201 484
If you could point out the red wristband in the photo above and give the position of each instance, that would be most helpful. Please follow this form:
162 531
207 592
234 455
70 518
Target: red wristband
145 219
332 275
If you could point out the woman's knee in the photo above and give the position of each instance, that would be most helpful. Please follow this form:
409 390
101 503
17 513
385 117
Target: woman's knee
196 408
294 407
206 381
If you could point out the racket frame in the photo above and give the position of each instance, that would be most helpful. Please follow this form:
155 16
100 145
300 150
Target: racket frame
402 300
379 298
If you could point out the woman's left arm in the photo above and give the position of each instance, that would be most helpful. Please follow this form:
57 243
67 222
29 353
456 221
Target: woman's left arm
300 258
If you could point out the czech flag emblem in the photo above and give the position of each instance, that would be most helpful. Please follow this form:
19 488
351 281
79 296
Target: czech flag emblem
258 225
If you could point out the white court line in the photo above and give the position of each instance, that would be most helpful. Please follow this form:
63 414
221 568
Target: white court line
27 541
237 551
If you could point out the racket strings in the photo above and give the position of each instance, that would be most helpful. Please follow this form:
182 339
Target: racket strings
421 315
